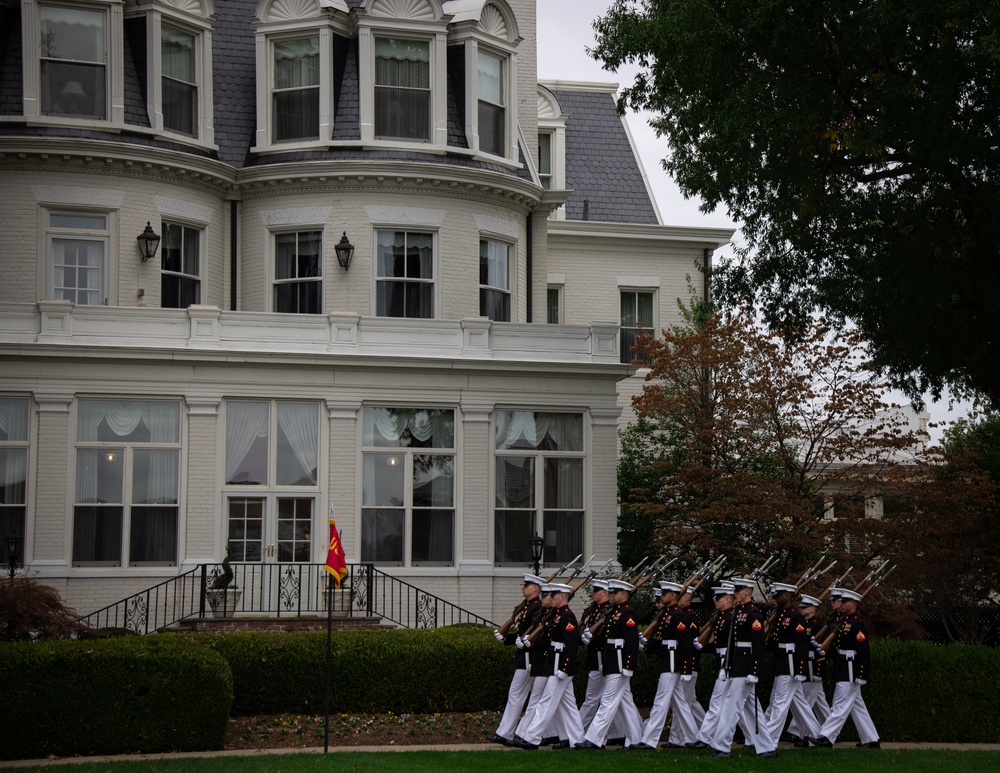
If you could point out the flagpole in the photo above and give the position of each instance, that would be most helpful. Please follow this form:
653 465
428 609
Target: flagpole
329 637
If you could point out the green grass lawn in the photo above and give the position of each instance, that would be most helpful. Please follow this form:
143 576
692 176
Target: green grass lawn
788 761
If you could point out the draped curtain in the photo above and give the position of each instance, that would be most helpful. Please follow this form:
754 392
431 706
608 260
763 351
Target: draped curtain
161 419
298 426
540 431
245 423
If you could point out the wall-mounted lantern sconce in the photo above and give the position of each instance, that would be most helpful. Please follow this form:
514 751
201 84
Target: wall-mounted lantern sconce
345 251
148 240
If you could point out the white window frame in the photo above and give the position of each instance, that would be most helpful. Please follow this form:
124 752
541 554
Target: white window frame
508 288
539 457
273 280
276 27
195 22
114 68
128 448
404 456
434 281
552 122
22 446
626 354
52 233
557 291
199 277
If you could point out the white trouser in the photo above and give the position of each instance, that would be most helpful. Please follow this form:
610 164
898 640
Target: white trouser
687 693
616 694
537 688
668 693
816 700
740 699
520 686
591 702
556 707
847 702
786 695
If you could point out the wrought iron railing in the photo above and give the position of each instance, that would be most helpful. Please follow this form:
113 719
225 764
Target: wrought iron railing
280 591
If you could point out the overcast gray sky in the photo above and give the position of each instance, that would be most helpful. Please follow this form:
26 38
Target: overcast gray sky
564 34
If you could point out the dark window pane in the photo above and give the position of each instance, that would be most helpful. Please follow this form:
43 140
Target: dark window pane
153 535
495 305
492 120
382 535
433 537
97 535
514 529
563 535
402 113
180 106
73 89
296 115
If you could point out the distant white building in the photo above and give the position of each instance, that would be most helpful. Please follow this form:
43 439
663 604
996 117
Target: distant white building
451 391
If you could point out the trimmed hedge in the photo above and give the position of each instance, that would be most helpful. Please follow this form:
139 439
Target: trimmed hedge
112 696
175 692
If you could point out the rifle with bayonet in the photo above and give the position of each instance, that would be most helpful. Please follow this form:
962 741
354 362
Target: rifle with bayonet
531 637
708 569
837 618
878 579
812 573
654 570
505 628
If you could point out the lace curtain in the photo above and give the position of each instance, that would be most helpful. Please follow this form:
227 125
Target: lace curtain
161 419
539 431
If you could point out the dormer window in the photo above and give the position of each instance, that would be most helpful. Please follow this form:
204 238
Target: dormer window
295 109
180 80
73 57
402 89
492 101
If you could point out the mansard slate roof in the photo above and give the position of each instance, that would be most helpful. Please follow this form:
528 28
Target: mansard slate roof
601 168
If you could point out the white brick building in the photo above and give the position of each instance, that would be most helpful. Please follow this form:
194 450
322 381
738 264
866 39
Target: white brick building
455 390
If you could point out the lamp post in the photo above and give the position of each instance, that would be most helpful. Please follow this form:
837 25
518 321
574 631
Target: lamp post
536 552
13 549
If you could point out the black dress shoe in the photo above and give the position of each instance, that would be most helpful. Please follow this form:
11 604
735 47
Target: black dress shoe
802 743
721 755
771 753
615 742
549 741
640 746
673 746
587 745
791 738
821 741
500 740
697 745
520 743
870 745
561 744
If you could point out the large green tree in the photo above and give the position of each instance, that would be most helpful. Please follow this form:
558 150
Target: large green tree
857 143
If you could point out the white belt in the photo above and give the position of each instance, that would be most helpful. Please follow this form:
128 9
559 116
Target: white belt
787 647
558 646
849 654
616 642
670 644
744 644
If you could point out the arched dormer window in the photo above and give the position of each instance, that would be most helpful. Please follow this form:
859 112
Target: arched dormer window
551 144
402 46
178 66
487 29
295 74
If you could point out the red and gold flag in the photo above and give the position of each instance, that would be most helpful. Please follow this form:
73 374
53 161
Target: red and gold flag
336 561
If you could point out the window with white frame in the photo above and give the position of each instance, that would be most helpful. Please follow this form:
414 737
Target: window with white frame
179 63
298 272
402 88
553 305
272 452
127 483
77 249
539 460
408 486
180 266
404 268
636 317
494 280
296 89
73 61
492 104
545 159
13 470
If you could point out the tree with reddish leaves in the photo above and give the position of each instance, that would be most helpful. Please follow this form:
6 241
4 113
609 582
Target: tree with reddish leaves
749 444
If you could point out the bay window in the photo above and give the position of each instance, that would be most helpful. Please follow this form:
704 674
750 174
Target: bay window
179 85
298 272
296 90
13 469
402 89
494 280
180 266
404 266
73 59
77 254
492 102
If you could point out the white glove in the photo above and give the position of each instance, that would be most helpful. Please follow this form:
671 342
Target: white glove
800 678
751 679
860 681
821 653
520 643
813 640
723 676
560 675
687 677
499 636
626 672
586 637
698 645
642 639
642 644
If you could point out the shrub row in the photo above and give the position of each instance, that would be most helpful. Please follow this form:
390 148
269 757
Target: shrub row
176 692
112 696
